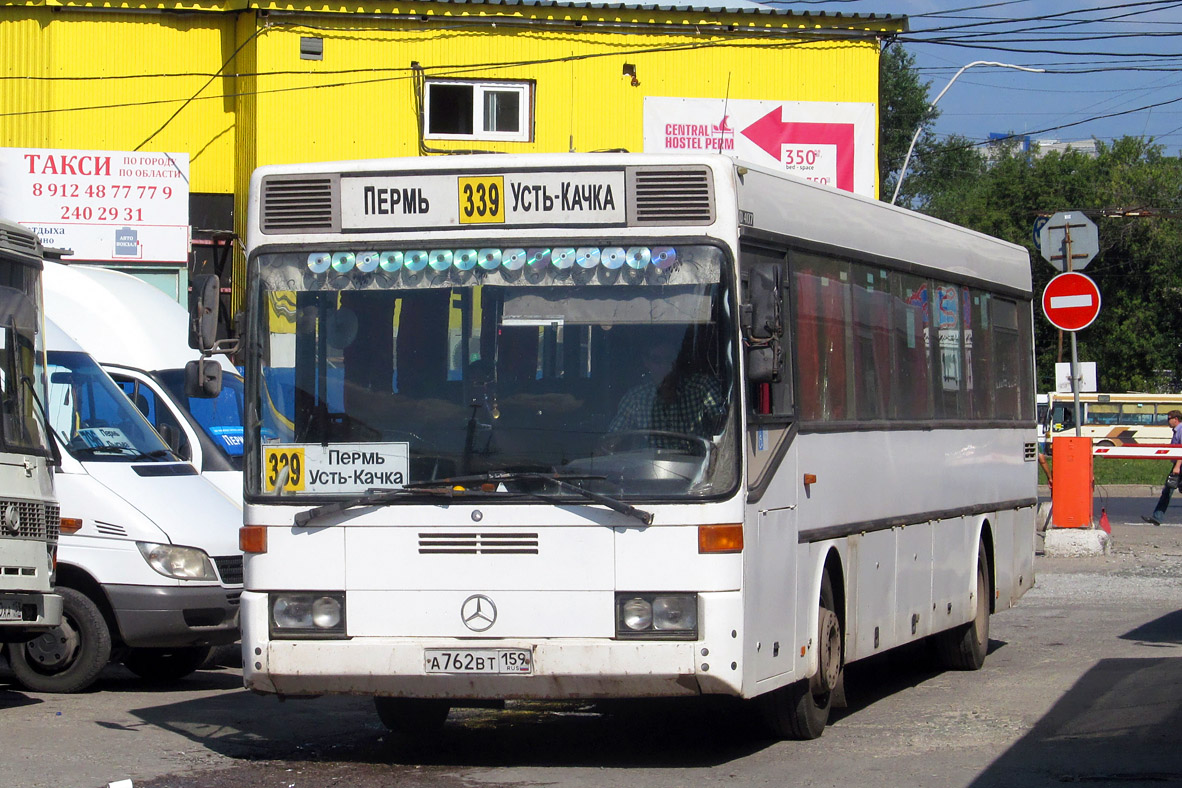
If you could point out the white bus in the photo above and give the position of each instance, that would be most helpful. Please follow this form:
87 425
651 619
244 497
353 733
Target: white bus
29 517
621 425
1127 419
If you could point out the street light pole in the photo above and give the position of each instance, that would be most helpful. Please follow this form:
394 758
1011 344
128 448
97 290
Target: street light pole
911 147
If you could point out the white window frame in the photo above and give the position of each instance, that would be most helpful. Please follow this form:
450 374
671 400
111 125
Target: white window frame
524 88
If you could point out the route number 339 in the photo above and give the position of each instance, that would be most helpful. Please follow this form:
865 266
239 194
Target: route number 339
482 200
286 465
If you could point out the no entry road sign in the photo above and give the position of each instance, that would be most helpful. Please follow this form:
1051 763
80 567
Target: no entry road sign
1071 301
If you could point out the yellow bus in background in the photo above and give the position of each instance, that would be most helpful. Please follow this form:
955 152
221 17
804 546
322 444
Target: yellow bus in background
1113 419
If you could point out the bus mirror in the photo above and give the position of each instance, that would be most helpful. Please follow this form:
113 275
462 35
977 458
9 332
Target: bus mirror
203 378
762 316
203 311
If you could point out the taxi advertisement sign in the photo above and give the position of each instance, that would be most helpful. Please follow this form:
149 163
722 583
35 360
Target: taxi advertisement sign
508 199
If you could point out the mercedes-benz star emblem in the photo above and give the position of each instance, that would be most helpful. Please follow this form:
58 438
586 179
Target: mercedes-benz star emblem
478 613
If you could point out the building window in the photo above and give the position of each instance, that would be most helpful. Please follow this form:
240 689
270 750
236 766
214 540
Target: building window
479 110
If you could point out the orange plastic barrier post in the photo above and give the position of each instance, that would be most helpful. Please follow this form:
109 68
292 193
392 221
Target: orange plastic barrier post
1071 494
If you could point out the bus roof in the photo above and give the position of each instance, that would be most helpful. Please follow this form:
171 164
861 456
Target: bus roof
777 202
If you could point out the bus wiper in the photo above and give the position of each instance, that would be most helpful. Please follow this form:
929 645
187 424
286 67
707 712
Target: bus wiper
561 480
374 497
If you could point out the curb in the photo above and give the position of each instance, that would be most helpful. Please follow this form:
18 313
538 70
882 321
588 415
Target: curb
1114 490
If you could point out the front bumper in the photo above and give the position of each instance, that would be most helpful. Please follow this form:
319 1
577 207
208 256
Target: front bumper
175 616
46 610
563 667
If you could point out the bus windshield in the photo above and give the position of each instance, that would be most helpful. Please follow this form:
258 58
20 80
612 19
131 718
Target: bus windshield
21 364
92 417
612 366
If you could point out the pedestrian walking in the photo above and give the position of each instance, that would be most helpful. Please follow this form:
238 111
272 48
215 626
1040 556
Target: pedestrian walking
1174 419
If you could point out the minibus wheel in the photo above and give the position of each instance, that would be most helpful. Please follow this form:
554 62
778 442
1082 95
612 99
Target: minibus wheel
165 665
412 718
801 710
67 658
964 647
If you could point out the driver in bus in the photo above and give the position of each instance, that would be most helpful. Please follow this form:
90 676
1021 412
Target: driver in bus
672 396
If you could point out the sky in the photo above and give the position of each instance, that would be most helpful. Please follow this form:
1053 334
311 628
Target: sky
1112 68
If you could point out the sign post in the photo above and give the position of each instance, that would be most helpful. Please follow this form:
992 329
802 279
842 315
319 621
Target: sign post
1071 302
1069 240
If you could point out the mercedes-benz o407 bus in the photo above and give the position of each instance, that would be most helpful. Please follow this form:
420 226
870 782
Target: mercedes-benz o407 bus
621 425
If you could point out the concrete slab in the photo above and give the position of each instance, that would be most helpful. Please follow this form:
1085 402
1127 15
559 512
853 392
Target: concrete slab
1076 542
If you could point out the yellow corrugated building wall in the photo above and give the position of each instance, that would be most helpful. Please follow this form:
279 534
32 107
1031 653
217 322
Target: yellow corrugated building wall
226 83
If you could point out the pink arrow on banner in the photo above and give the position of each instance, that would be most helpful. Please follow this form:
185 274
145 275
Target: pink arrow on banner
771 132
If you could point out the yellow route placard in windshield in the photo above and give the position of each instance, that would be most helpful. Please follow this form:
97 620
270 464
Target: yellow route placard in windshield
482 200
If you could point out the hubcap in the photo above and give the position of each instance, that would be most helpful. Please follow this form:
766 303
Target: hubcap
829 656
56 648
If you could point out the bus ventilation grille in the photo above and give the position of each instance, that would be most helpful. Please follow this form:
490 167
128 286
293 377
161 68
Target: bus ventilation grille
478 544
301 204
13 238
1030 451
29 520
671 195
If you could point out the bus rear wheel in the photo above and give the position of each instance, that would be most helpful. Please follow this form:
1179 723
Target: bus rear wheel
412 718
801 710
964 647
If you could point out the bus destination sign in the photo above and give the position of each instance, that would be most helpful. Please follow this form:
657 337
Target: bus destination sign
492 199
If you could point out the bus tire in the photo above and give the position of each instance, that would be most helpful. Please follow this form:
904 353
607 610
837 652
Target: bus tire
801 710
67 658
964 647
165 665
412 718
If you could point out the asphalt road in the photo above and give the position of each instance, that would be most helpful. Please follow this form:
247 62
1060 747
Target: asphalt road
1083 684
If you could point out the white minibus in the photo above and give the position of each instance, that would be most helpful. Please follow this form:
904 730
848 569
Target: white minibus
148 563
140 337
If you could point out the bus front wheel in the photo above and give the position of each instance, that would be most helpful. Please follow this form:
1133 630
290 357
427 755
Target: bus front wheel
801 710
412 718
69 657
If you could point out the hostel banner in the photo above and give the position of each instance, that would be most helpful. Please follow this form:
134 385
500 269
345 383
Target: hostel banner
826 142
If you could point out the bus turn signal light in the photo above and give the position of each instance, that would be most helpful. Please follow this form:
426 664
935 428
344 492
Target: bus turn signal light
70 525
252 539
725 538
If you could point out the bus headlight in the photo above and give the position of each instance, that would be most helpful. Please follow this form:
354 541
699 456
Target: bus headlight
657 616
181 563
315 615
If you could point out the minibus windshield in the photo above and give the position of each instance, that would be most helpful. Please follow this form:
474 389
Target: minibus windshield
92 417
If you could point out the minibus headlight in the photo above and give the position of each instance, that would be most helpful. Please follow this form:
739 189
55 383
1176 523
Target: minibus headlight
657 616
181 563
307 615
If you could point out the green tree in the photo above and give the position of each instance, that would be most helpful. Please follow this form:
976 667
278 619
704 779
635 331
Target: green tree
903 107
1138 268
